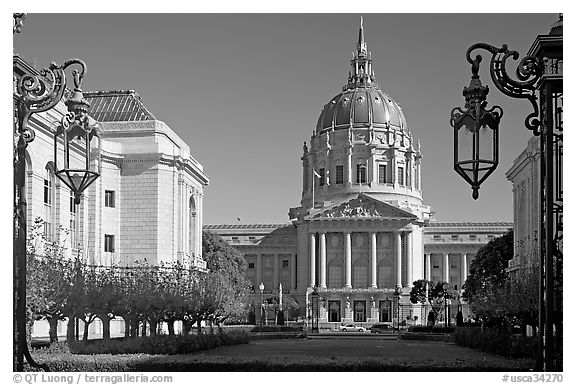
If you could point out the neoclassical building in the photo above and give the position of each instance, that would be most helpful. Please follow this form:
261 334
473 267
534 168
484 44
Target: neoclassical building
362 231
147 202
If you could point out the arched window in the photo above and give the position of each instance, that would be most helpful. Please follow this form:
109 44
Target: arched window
49 202
192 226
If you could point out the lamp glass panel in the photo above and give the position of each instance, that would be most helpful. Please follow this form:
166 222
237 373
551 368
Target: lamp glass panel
486 143
466 141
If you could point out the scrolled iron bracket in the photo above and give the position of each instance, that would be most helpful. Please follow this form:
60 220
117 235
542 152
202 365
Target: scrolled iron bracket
528 72
41 92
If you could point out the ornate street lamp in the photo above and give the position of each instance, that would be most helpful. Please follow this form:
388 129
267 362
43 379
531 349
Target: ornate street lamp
76 125
36 92
315 310
475 133
540 81
261 287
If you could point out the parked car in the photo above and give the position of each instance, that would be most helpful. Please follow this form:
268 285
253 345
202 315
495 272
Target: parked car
380 328
352 328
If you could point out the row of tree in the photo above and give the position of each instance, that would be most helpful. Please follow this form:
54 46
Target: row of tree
143 294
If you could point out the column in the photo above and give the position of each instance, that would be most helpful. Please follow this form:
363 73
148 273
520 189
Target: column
463 268
349 166
312 260
446 268
292 272
348 260
398 259
409 253
373 262
428 266
276 271
322 260
258 270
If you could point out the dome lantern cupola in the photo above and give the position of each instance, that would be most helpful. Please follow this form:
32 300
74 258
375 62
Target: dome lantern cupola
361 103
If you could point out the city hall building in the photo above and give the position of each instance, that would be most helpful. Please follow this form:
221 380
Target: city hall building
362 232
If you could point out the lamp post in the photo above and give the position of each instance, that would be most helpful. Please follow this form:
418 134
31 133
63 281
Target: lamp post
398 297
34 92
540 81
261 287
315 310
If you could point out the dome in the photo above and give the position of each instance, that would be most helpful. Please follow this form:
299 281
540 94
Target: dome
361 103
361 107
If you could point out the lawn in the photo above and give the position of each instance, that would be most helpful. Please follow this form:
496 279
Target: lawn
362 354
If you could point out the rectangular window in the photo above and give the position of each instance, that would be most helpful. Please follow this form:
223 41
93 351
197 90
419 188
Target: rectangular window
472 236
339 174
381 173
109 198
455 237
47 192
408 176
360 173
437 237
284 263
401 176
490 236
108 243
234 239
322 179
250 265
416 178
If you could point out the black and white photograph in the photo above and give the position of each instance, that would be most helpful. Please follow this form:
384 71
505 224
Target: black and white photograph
347 190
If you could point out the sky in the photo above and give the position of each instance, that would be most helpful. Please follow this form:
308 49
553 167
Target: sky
245 91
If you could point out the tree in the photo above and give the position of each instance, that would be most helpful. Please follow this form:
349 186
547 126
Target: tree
489 266
228 269
48 281
488 282
433 293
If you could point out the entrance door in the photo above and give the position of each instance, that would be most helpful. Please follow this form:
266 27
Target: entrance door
385 311
334 311
359 311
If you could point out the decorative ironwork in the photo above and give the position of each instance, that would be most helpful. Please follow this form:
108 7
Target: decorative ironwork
470 125
529 71
17 22
33 93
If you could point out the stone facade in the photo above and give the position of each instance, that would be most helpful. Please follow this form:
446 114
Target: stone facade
147 202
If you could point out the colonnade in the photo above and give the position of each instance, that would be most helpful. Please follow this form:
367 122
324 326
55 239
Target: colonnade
373 260
463 269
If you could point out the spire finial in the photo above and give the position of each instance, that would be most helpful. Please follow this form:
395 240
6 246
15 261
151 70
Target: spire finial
361 44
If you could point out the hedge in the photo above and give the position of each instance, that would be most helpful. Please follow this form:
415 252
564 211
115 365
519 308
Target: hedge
497 341
159 344
435 329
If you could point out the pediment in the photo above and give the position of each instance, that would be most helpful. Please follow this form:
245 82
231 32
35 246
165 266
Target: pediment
361 206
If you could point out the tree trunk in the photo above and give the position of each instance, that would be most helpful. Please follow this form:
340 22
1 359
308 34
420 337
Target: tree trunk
144 327
134 324
70 332
186 326
105 326
86 328
170 327
153 327
211 327
53 333
199 327
126 327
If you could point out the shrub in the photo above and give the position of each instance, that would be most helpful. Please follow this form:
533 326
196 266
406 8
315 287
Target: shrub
497 341
159 344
